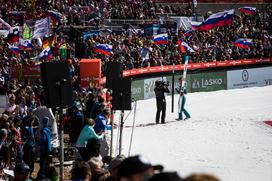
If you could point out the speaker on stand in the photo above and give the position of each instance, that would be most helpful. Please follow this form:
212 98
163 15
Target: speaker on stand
58 92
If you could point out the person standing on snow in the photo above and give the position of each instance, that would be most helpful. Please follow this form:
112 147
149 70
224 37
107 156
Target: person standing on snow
182 100
160 89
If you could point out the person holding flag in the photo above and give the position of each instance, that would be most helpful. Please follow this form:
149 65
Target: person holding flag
182 90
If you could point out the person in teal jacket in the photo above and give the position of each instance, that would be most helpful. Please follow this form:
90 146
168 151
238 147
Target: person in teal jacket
182 100
87 140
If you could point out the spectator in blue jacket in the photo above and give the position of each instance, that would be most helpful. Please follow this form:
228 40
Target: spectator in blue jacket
28 138
101 121
45 148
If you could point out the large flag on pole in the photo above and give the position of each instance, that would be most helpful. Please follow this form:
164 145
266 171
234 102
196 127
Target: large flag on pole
223 18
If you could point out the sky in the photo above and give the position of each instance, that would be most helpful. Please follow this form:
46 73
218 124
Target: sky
226 135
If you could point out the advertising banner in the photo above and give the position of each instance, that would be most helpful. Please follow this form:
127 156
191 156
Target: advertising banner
137 90
149 85
249 77
204 82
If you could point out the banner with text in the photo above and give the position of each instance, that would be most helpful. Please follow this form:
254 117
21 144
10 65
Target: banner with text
249 77
137 90
204 82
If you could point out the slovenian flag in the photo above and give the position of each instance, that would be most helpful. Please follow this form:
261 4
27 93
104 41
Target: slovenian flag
184 47
161 39
223 18
243 43
13 37
46 54
25 45
14 50
103 48
248 10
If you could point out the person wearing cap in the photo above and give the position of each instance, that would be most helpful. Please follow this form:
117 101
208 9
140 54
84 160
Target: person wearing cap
45 148
87 135
21 172
136 168
182 100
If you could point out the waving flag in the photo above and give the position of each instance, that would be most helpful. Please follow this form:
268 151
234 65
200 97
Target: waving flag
25 45
14 50
184 47
243 43
17 15
103 48
223 18
194 25
161 39
46 54
55 16
248 10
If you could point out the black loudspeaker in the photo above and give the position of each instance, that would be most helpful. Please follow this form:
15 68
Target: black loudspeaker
121 98
57 84
80 50
113 70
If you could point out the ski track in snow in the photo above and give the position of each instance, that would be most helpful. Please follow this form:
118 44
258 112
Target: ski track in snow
225 136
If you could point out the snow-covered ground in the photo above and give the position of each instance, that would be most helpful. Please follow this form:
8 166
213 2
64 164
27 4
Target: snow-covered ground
225 136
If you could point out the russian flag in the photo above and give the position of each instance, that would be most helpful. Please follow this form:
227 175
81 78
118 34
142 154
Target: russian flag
25 45
243 43
184 47
223 18
14 50
103 48
13 37
46 54
248 10
161 39
55 16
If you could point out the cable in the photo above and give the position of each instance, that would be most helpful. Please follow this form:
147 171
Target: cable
133 126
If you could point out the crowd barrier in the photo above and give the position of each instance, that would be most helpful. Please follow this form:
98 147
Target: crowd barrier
33 71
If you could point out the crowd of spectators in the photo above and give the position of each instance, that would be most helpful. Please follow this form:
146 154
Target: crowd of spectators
19 125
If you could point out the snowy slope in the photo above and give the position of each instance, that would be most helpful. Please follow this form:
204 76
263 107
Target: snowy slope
225 136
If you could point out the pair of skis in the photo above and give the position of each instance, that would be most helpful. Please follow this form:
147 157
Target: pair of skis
184 83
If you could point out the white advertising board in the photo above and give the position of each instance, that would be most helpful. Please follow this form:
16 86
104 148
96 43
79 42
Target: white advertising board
254 77
149 85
